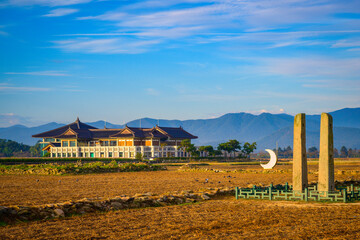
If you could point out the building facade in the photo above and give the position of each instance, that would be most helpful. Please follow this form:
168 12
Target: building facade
78 139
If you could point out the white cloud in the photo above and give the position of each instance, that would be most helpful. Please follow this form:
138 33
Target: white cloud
227 20
10 119
107 46
152 91
23 89
312 66
2 32
274 111
347 43
60 12
51 3
41 73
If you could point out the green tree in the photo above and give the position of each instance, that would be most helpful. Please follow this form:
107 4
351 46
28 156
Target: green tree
36 150
313 152
248 148
188 147
162 145
344 152
207 149
230 146
138 156
9 147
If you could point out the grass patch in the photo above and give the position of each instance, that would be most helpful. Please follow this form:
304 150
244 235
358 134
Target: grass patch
3 224
245 163
77 168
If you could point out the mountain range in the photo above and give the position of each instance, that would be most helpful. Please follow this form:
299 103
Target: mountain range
266 129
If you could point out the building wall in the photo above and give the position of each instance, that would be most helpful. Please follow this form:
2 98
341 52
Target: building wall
117 151
126 148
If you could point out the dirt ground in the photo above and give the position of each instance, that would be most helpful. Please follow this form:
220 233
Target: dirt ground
28 190
224 218
216 219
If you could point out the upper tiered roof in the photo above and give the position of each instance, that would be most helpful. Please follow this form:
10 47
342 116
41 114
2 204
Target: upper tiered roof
81 130
76 126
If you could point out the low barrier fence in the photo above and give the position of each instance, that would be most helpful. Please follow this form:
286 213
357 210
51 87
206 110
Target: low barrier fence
285 192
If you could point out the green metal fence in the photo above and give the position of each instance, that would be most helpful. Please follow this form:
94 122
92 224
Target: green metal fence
285 192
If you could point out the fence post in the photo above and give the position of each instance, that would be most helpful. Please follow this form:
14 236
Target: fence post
344 195
270 193
236 192
352 190
286 186
306 194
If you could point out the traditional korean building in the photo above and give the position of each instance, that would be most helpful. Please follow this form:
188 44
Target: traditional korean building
78 139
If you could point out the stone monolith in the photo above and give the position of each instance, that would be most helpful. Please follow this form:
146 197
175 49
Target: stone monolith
326 158
300 178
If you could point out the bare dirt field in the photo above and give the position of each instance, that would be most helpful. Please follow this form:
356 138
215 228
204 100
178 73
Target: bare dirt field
28 190
224 218
216 219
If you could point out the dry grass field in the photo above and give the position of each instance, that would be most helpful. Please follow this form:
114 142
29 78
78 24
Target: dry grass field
215 219
224 218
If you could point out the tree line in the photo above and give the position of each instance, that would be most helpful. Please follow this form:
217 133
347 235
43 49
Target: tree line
9 148
313 152
231 148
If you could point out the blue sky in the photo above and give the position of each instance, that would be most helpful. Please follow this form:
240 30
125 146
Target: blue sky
189 59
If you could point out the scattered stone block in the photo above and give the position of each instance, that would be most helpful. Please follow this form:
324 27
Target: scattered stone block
59 212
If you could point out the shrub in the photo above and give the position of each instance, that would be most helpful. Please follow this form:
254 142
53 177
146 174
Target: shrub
77 168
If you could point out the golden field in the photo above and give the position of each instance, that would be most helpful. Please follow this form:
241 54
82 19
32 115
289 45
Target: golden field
222 218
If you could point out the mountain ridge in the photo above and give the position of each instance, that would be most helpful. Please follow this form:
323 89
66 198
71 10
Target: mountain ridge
266 128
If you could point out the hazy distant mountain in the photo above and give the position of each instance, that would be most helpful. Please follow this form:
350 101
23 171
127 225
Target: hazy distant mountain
102 124
266 129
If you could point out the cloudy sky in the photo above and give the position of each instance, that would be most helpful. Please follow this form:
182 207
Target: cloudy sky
175 59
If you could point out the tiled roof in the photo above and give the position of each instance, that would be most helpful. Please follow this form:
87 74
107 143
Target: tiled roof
176 132
103 133
53 144
77 125
140 133
81 130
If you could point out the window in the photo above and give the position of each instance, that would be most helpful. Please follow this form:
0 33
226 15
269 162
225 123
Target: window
74 155
112 143
53 155
64 155
58 155
86 155
81 154
121 154
110 154
104 143
65 143
72 144
69 154
102 154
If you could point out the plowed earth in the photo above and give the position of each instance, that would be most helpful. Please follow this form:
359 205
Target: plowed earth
215 219
28 190
223 218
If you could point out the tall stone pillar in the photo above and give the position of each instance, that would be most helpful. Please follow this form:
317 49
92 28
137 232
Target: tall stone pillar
300 179
326 159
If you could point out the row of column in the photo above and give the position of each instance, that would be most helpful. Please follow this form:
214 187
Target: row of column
326 158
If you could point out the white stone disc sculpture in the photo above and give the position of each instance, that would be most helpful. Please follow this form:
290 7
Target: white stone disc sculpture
273 160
